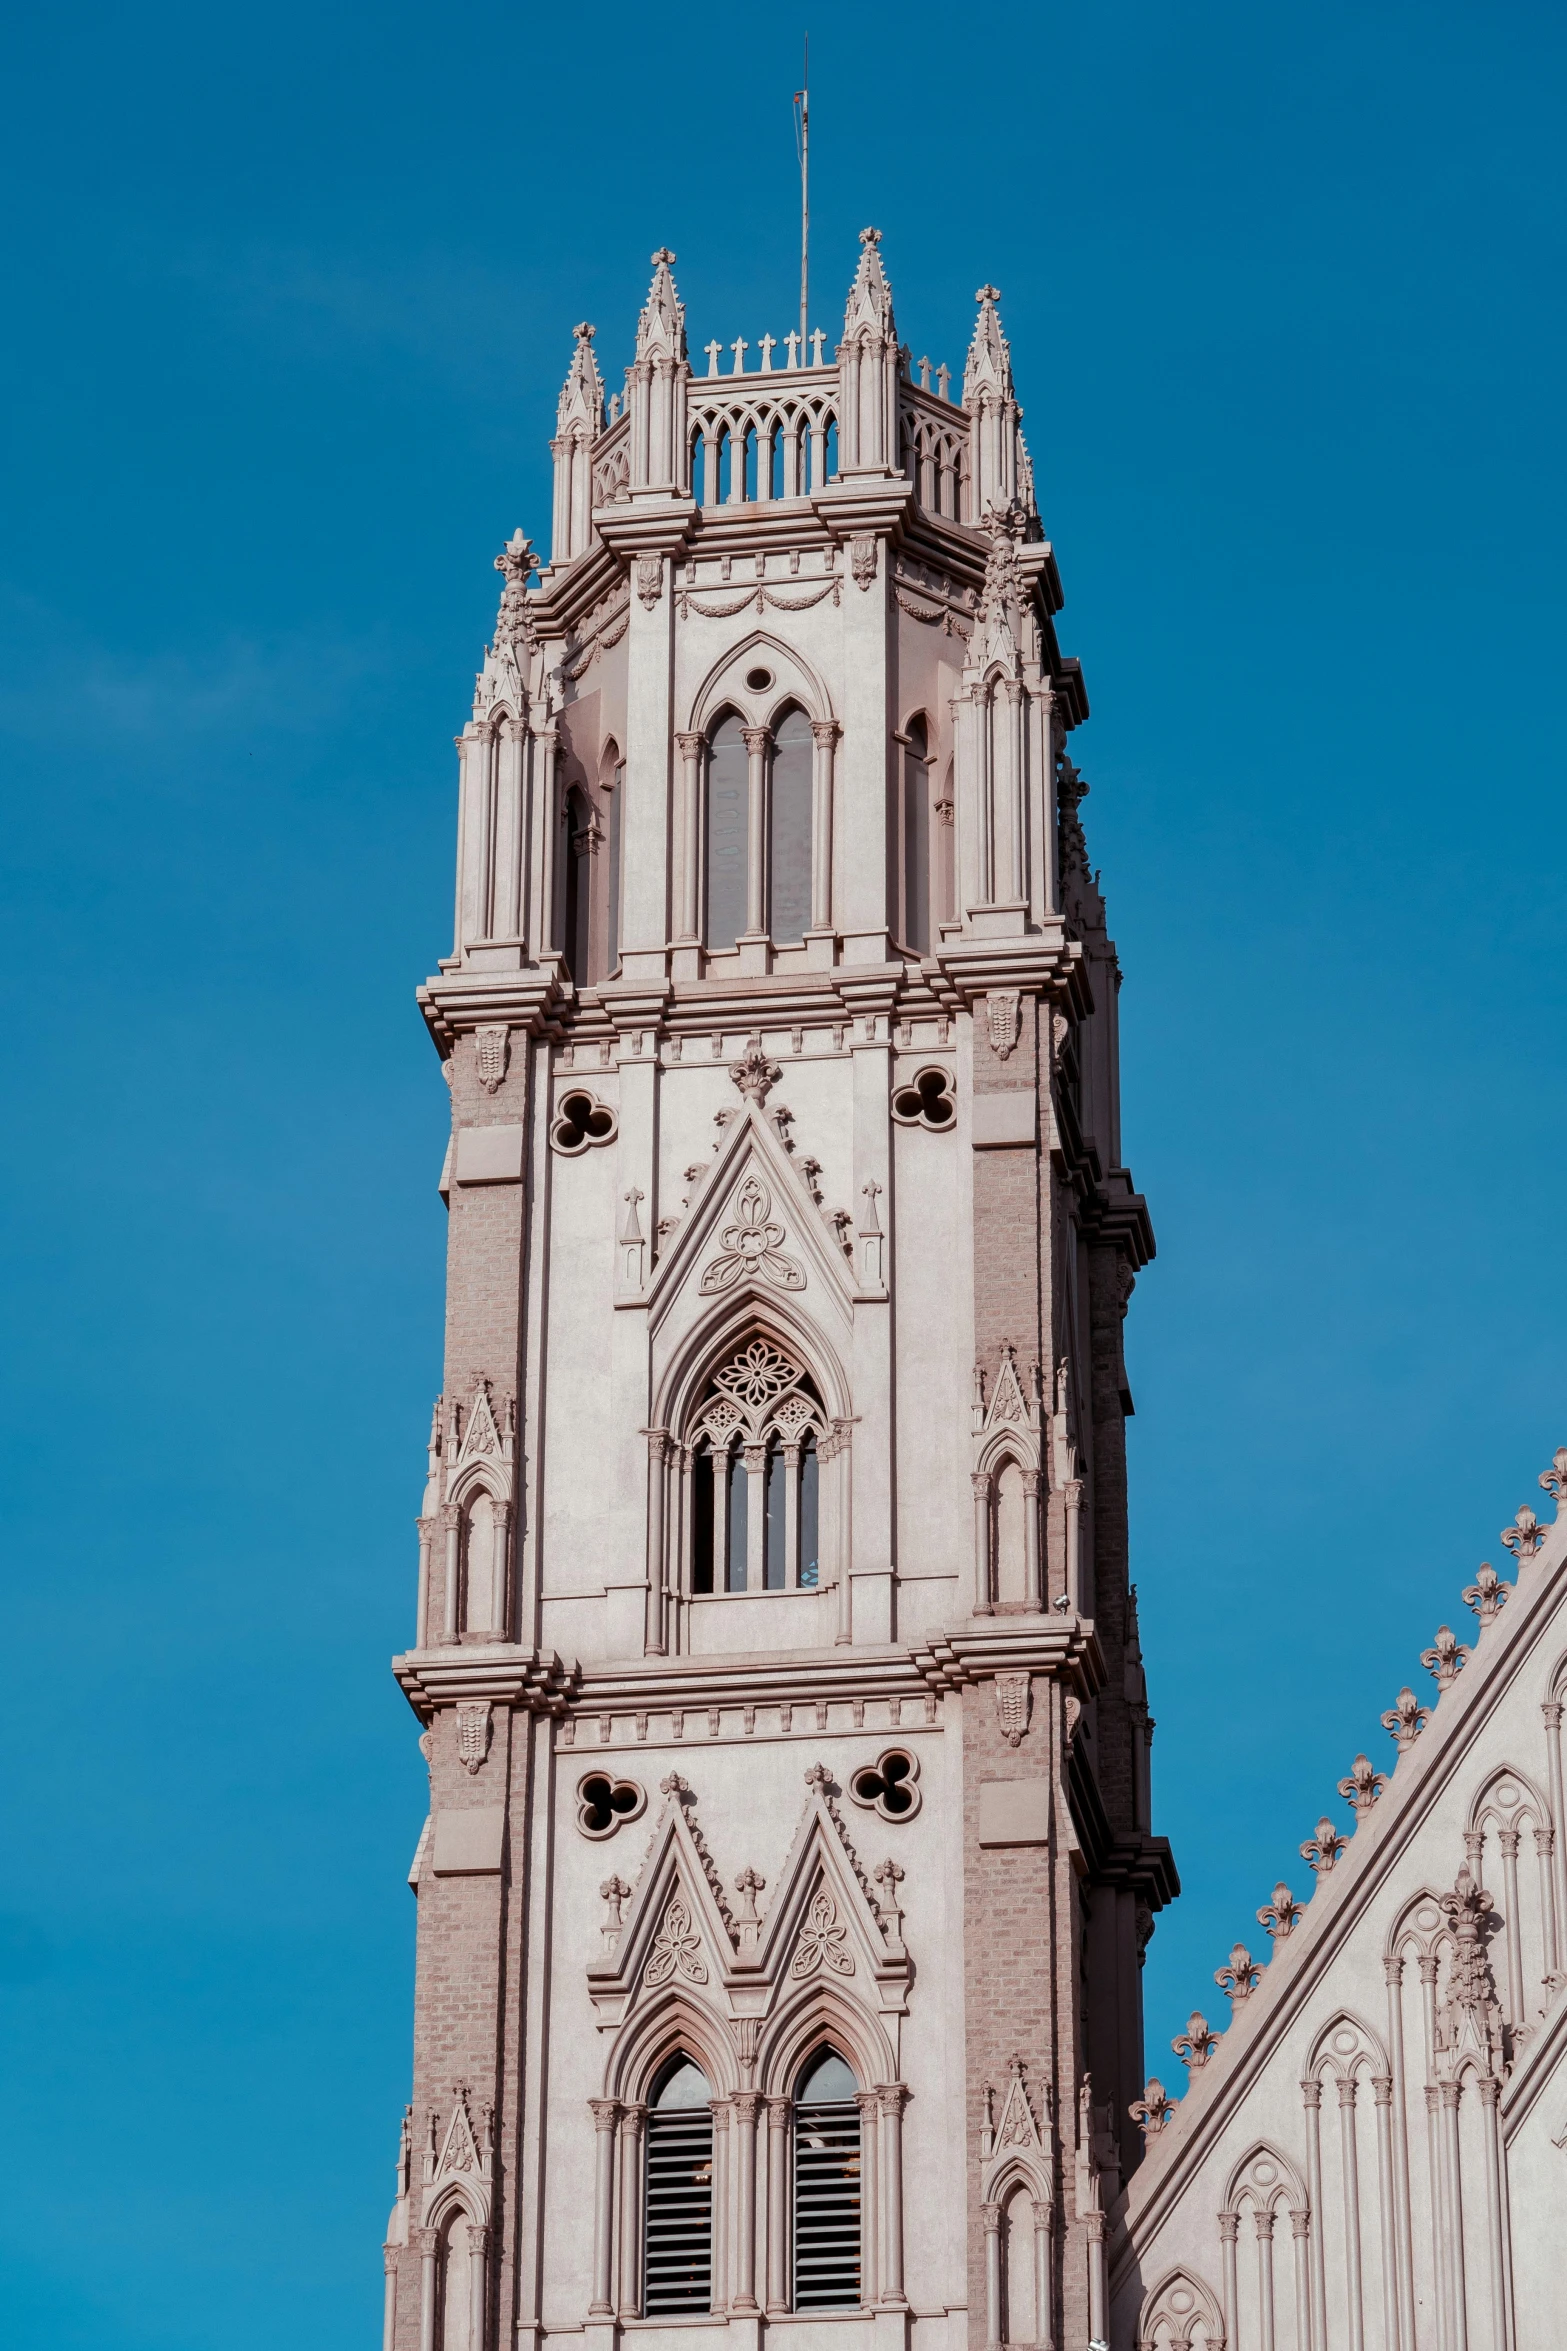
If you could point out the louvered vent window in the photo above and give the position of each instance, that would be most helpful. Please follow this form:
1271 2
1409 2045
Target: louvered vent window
678 2233
826 2187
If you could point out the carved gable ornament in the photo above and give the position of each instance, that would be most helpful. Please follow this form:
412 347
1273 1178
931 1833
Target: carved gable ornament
821 1940
676 1929
750 1245
1017 2127
677 1949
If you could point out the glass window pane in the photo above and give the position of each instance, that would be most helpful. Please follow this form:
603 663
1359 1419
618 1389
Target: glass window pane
790 846
916 841
702 1522
728 809
810 1474
739 1483
612 926
774 1558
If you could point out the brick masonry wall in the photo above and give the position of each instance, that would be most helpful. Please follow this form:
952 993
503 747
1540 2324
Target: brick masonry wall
459 1983
1020 1980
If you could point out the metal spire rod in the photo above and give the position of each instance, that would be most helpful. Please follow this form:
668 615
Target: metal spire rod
802 141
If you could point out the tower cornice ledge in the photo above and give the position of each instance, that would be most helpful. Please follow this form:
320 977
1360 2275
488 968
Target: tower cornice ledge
1067 1647
1045 959
500 1670
528 1000
646 525
875 502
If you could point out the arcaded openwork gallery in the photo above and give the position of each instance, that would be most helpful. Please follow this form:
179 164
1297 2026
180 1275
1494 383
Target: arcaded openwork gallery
790 1860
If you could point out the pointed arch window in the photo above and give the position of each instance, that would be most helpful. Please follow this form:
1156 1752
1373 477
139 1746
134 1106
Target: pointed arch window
916 837
728 829
827 2185
677 2261
756 1476
590 910
789 831
764 798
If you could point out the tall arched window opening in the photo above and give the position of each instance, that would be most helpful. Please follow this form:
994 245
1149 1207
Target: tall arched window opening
480 1566
677 2260
728 823
789 831
916 838
826 2186
755 1477
581 841
946 878
612 788
1019 2322
1012 1504
454 2288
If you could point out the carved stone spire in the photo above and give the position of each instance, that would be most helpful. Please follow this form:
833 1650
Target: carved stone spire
868 368
661 329
1000 470
656 388
987 371
579 419
867 314
1469 2022
582 394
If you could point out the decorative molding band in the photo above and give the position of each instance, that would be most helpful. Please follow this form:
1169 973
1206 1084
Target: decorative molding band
534 1679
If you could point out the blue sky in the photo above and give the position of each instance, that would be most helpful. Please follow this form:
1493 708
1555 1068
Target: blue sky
289 298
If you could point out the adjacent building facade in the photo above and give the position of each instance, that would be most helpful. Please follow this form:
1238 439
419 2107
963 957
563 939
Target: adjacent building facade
789 1864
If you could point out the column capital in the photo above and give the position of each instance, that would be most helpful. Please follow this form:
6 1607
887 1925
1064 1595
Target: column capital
825 732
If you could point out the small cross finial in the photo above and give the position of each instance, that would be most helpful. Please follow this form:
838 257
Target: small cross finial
663 258
924 374
739 347
634 1194
818 1778
792 346
767 344
818 338
674 1785
712 350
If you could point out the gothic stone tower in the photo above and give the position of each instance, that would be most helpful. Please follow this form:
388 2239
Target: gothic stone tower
789 1863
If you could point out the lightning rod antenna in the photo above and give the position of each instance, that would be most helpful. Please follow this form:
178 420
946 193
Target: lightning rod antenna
802 141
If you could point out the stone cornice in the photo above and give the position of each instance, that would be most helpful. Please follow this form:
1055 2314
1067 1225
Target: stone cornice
1066 1646
565 594
650 523
1296 1971
870 504
543 1683
499 1670
1045 959
530 1000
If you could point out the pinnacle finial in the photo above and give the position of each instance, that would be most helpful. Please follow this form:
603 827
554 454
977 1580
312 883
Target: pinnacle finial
870 236
584 330
663 258
988 294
